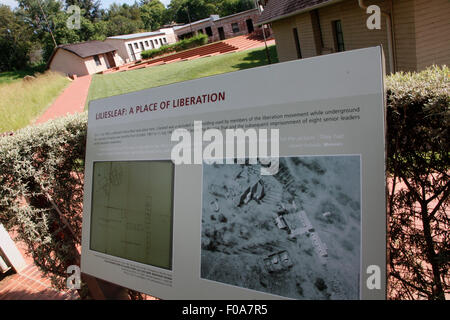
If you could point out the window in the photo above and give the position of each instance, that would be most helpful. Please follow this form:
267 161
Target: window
209 31
297 43
338 36
146 43
235 27
97 61
153 46
136 45
165 40
160 41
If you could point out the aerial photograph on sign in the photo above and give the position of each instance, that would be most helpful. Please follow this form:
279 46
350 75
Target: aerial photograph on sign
294 234
132 214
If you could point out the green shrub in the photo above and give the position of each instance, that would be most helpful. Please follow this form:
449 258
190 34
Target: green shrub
41 191
189 43
418 164
148 54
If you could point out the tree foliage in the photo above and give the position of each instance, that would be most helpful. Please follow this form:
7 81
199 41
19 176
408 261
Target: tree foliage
152 14
15 40
91 8
123 19
229 7
193 10
199 9
62 34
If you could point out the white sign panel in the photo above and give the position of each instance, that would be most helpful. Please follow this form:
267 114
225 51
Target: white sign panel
313 229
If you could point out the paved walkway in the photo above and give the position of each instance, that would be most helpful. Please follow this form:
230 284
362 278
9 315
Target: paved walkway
71 101
30 284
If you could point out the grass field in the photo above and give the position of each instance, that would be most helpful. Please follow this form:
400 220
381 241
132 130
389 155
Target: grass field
14 76
123 82
23 101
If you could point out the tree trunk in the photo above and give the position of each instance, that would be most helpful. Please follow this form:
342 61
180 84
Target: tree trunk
438 291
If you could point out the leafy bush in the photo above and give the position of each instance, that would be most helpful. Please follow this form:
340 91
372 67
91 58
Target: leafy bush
41 191
418 202
196 41
41 180
148 54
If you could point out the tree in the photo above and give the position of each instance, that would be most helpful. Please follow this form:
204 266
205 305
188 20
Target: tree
229 7
38 14
15 40
193 10
63 35
200 9
91 8
152 14
121 25
123 19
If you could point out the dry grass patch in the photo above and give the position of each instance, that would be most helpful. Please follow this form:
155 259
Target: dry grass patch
23 101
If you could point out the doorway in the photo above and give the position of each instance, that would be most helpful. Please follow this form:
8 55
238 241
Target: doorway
209 31
133 56
221 33
250 26
110 59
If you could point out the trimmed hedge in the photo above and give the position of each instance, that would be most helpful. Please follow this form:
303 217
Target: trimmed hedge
196 41
418 147
41 191
41 184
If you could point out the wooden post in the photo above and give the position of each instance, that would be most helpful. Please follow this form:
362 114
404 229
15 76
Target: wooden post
102 290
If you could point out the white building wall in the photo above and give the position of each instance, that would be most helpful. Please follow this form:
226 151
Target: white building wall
148 43
92 66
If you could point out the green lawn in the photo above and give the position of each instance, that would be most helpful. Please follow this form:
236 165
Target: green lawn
123 82
14 76
23 101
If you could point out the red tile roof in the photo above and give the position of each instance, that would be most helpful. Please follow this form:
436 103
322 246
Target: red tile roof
277 9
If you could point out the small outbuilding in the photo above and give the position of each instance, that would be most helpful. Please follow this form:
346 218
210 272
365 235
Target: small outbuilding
84 58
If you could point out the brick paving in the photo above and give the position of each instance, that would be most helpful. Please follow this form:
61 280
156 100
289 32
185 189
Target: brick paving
71 101
30 284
